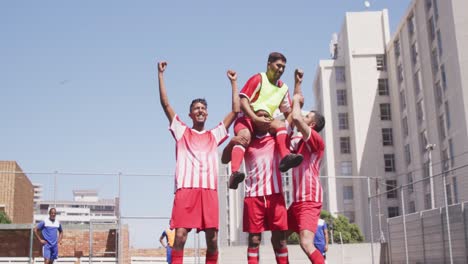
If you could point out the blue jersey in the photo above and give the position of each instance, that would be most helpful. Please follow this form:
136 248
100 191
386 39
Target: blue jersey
320 234
49 230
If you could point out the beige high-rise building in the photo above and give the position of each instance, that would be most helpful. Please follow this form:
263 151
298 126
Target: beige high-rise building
395 105
16 193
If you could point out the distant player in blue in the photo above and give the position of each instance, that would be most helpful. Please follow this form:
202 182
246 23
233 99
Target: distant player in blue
49 240
321 237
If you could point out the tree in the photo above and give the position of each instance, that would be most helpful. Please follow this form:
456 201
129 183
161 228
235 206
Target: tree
349 232
4 218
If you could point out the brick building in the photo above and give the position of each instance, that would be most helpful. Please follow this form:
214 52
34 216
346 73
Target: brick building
16 193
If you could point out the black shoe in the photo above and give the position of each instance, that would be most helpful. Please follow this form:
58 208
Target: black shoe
235 178
290 161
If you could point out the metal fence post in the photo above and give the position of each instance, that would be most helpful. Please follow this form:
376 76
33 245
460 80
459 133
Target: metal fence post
370 217
31 238
444 176
404 223
119 237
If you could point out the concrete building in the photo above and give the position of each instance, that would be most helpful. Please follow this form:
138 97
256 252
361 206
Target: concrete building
38 193
16 193
428 76
346 88
395 106
85 207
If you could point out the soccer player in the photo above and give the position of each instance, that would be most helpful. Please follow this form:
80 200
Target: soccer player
263 91
49 240
196 177
264 205
304 212
321 237
169 234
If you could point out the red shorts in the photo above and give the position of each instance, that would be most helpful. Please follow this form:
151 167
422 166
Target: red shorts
265 213
304 216
195 208
243 122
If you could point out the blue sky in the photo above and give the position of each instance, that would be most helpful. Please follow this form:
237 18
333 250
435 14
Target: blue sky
79 86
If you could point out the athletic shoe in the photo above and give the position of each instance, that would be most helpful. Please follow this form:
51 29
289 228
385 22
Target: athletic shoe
290 161
235 178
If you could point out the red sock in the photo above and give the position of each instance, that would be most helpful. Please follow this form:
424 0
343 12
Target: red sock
316 257
281 255
237 155
281 141
211 257
177 256
253 255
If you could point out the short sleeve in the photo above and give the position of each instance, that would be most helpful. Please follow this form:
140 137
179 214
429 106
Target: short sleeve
40 226
315 141
163 233
285 105
60 228
177 128
252 87
220 133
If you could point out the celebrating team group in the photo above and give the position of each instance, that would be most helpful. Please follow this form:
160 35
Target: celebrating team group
267 146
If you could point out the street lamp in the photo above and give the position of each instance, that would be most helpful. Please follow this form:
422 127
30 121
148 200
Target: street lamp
429 149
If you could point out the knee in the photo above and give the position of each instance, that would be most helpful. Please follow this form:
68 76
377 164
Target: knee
244 137
254 241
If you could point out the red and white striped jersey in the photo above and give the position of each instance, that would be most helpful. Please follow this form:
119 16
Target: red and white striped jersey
261 162
196 155
305 177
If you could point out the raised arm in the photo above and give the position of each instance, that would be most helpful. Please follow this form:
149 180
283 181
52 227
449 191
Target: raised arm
298 120
229 119
298 76
162 92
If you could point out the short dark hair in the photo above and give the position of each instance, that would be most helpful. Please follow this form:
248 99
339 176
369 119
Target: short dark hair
274 56
53 208
198 100
319 121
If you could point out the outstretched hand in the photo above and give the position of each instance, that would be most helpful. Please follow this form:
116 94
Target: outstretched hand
232 75
162 66
298 74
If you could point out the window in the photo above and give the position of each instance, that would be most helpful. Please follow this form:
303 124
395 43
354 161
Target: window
445 160
380 59
341 98
411 207
420 111
455 189
423 141
402 100
414 53
436 10
343 121
385 112
396 45
447 115
435 61
383 87
392 192
346 168
410 22
400 73
393 211
389 160
439 42
438 93
427 201
404 124
345 145
451 152
442 133
348 193
349 215
428 4
410 182
431 28
443 76
340 74
449 193
417 83
387 136
407 154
